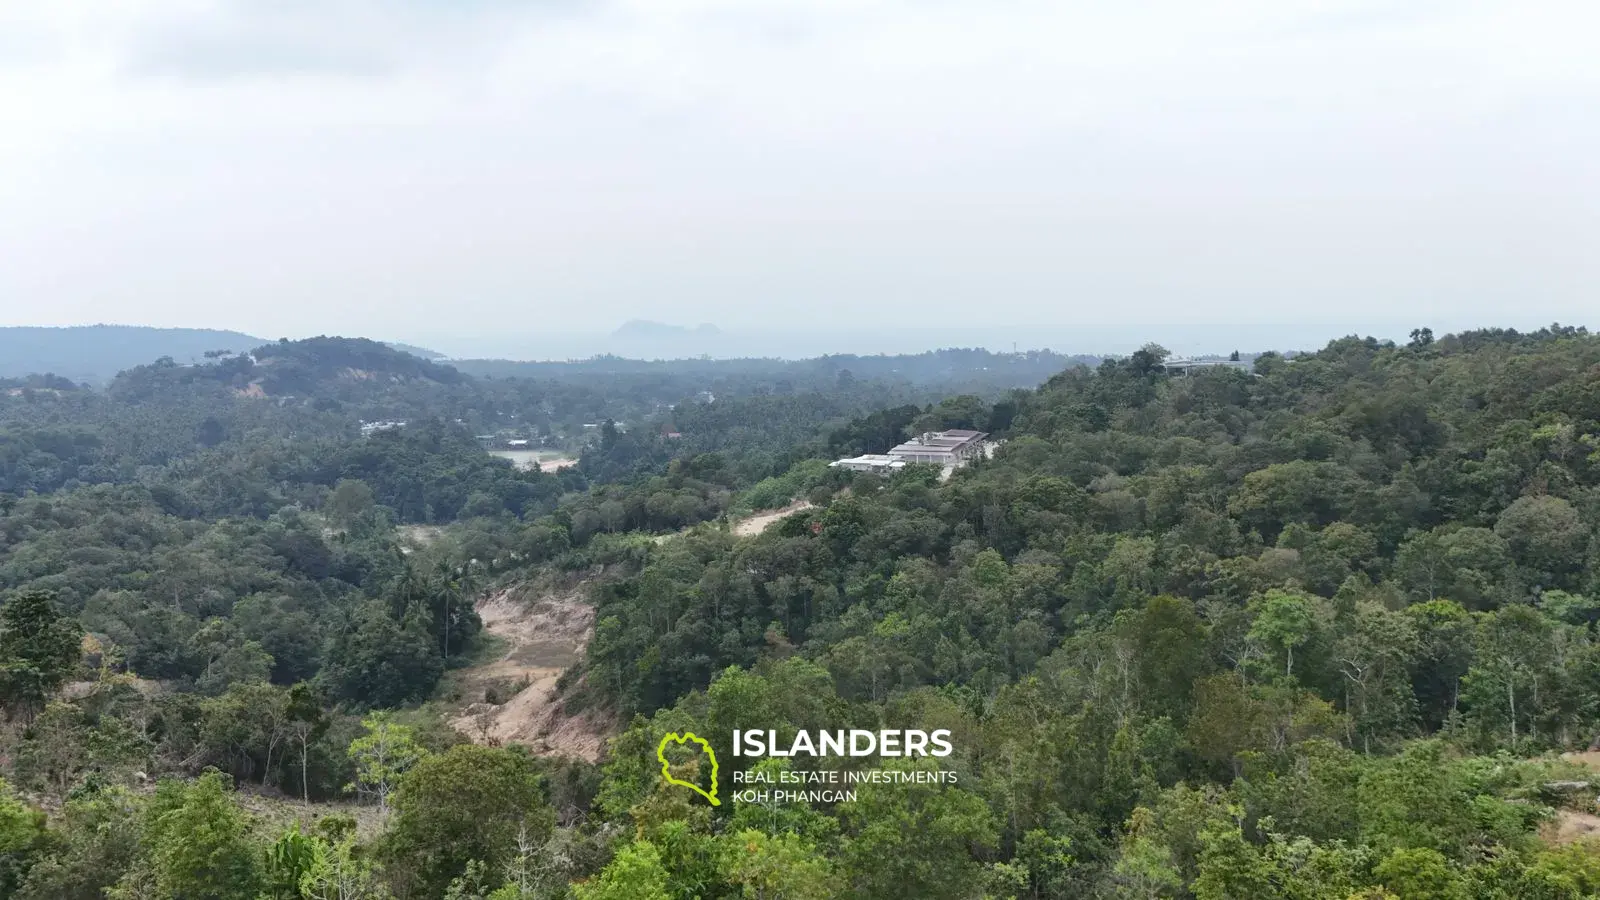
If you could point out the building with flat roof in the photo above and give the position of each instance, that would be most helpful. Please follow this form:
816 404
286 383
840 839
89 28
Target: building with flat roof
872 463
954 447
1185 365
949 449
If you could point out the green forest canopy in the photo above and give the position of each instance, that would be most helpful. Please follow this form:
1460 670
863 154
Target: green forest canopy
1319 630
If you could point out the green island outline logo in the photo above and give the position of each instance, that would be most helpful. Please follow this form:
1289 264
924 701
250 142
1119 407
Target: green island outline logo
687 736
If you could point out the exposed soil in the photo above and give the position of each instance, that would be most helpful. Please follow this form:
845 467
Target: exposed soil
1587 758
755 524
1571 825
417 537
513 699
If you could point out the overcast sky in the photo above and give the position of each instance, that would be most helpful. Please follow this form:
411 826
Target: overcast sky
423 169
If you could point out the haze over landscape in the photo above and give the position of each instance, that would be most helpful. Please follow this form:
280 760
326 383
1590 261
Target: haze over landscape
504 179
799 450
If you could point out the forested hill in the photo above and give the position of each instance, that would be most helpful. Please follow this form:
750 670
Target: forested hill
326 367
1229 635
1319 630
96 353
54 434
1469 463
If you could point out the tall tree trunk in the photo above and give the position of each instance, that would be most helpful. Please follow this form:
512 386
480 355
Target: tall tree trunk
1511 697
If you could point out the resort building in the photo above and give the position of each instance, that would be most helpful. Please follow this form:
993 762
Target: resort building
943 448
947 449
872 463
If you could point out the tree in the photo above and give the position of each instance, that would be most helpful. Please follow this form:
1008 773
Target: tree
468 803
39 650
1371 653
778 867
95 842
914 841
245 726
1445 641
1420 338
339 871
350 498
1466 565
288 861
1512 661
1230 867
1420 874
1168 644
198 843
1283 621
1544 534
1306 491
54 750
635 873
306 723
382 756
210 433
382 662
21 832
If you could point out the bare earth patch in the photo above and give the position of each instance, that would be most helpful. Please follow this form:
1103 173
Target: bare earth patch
417 537
1588 758
751 525
1571 825
513 699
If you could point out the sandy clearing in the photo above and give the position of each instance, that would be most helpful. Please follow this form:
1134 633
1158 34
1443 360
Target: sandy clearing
545 635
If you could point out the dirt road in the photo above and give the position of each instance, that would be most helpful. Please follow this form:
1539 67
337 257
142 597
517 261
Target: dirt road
759 522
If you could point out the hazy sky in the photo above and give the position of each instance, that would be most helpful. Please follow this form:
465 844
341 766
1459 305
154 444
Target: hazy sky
424 169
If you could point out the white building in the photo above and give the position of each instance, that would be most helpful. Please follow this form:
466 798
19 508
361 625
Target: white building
949 449
873 463
1186 366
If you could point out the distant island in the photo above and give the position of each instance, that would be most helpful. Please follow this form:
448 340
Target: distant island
637 329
